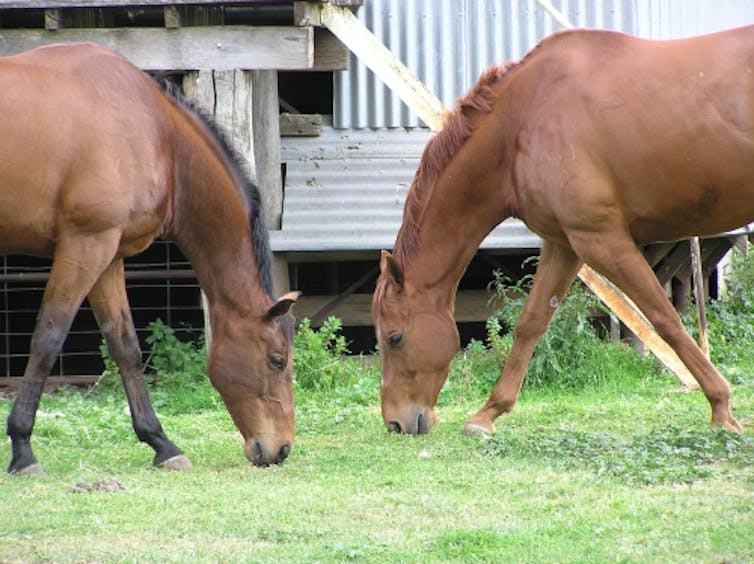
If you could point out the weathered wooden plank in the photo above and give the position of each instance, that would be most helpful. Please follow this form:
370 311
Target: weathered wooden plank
300 125
187 48
656 252
122 3
356 309
53 20
632 317
266 138
172 17
359 39
675 261
329 53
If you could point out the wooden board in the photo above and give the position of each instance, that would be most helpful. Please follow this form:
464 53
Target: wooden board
356 309
300 125
186 48
120 3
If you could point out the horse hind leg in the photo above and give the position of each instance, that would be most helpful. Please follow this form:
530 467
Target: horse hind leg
620 261
109 303
555 273
71 277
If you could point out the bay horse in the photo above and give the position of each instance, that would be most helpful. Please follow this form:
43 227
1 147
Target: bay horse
599 142
96 161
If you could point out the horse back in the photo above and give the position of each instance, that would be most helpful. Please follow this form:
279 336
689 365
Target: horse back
662 130
84 146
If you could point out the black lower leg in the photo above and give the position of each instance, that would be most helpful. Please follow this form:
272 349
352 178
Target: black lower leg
21 422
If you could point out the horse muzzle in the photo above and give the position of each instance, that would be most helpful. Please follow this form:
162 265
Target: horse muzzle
259 454
418 421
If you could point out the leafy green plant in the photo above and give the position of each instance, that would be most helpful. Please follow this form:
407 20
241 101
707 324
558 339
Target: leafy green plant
730 320
319 355
175 370
570 354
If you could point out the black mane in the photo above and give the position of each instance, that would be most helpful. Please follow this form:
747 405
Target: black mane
249 191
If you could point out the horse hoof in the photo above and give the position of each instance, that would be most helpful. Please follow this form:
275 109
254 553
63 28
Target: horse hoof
30 470
731 425
475 429
178 462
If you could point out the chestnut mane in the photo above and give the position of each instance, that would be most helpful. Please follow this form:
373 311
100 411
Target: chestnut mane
469 111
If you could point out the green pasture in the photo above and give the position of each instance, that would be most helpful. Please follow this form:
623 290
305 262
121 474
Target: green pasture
604 459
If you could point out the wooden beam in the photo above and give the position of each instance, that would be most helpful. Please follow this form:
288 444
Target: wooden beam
300 125
674 262
122 3
700 296
172 17
362 42
329 53
186 48
632 317
555 14
355 310
656 252
53 20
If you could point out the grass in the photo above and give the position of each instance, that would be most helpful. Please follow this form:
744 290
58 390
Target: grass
603 459
573 475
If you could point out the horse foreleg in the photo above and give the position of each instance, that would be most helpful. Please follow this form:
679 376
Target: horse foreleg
77 264
620 261
556 271
109 303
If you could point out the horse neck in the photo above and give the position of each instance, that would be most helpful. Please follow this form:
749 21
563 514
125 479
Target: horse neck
211 226
466 202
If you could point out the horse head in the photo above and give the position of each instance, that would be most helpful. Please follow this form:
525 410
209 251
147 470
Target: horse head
417 339
251 366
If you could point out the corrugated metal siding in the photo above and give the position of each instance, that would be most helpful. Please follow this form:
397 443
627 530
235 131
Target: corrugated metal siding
448 43
345 191
670 19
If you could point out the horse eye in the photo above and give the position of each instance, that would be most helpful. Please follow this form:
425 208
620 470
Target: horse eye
276 361
395 339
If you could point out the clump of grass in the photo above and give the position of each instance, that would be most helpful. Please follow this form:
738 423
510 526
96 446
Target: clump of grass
666 455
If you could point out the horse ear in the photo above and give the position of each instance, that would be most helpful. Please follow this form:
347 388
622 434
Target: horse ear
283 305
393 270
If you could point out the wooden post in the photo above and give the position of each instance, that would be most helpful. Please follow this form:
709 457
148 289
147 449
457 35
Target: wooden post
227 97
266 139
700 296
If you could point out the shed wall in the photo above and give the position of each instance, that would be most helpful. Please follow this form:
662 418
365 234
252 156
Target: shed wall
448 43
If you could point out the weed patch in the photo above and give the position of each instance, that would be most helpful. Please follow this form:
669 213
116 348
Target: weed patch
663 456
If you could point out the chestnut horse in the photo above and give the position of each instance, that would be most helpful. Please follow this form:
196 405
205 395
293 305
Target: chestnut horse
96 161
599 142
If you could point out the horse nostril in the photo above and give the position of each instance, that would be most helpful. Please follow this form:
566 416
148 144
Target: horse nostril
394 427
421 424
257 455
285 450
